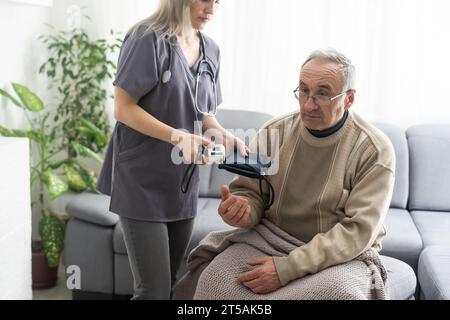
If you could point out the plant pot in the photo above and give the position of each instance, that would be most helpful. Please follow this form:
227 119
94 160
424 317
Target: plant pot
43 276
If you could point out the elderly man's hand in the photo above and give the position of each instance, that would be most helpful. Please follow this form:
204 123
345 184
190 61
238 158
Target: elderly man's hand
234 210
263 279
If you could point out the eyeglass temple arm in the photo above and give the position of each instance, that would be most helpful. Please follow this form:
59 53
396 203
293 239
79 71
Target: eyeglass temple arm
339 95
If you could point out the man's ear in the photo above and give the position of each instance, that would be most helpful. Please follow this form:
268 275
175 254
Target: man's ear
350 99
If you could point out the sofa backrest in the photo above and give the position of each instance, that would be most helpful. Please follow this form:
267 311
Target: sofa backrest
429 150
211 178
401 187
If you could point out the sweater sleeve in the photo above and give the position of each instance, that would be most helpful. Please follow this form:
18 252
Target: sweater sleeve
366 209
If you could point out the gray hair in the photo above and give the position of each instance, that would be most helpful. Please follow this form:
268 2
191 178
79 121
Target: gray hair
345 64
171 17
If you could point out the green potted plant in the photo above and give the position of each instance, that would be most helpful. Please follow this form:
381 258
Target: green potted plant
78 68
53 172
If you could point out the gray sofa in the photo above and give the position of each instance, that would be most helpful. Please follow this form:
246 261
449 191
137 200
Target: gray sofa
416 250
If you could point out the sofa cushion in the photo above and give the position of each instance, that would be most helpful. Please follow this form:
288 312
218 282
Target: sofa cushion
208 220
212 179
401 186
434 275
241 119
91 207
402 240
402 280
429 148
218 179
89 247
433 226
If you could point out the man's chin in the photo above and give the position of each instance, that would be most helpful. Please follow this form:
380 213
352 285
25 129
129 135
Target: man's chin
312 123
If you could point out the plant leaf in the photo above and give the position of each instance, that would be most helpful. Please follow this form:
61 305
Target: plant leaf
88 177
4 132
55 186
29 99
86 152
100 138
76 181
52 232
11 98
85 131
54 165
30 134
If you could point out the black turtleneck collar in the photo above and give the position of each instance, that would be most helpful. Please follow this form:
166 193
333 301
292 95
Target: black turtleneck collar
330 131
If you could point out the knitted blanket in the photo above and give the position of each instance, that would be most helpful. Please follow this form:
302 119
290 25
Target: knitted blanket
215 265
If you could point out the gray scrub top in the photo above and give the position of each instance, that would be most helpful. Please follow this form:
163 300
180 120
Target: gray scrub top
138 173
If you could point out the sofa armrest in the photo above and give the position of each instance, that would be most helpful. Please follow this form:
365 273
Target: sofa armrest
92 208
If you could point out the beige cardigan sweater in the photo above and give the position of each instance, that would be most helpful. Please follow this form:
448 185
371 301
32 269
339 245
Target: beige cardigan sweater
332 193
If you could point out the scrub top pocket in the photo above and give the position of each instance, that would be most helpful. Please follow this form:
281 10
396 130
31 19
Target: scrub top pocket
132 143
141 150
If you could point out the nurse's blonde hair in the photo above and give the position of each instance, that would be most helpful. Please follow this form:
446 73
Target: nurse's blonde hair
171 17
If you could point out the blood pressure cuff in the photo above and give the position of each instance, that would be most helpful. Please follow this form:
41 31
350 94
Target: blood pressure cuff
252 166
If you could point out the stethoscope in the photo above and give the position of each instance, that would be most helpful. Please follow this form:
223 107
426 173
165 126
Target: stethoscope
204 67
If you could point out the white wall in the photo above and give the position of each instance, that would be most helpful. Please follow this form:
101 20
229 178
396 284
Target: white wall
105 15
21 55
15 220
396 45
399 48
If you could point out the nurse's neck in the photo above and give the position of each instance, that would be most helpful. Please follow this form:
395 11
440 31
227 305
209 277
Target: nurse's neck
188 36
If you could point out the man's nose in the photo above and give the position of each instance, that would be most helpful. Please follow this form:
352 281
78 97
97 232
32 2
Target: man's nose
310 105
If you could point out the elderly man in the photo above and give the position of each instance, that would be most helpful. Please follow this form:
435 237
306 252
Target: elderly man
332 192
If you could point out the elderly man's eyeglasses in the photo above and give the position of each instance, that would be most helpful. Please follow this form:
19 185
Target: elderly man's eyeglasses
318 99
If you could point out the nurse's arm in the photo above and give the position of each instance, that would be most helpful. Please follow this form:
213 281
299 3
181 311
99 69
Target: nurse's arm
127 111
226 138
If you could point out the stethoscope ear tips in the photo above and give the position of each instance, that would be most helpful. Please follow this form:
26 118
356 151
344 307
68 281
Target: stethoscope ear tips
166 76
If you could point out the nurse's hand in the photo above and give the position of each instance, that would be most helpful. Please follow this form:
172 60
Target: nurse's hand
241 147
191 145
234 143
234 210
